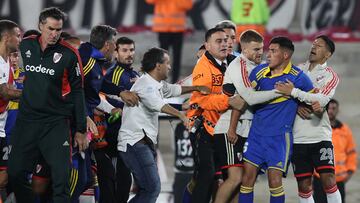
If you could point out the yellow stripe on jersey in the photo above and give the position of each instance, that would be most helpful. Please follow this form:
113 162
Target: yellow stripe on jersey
294 72
278 100
287 138
90 64
117 75
73 180
260 73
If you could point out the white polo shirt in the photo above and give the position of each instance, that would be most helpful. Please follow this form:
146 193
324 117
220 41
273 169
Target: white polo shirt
141 119
4 78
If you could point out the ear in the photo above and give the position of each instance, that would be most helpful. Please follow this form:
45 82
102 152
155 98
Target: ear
328 55
207 46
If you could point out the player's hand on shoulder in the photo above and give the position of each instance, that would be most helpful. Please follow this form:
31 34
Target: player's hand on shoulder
129 98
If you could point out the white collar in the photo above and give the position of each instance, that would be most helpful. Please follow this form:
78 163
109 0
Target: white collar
220 62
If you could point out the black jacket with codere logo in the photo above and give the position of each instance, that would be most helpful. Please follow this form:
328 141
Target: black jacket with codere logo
53 86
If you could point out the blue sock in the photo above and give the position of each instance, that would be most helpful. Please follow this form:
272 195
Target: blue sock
277 195
246 195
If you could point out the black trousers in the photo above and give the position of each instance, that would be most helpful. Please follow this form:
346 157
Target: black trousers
114 183
320 195
32 139
173 40
203 145
180 182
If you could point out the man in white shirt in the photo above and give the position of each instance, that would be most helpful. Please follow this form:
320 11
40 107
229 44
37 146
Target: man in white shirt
139 130
313 149
9 42
231 131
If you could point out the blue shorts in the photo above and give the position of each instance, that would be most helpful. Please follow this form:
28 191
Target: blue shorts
267 152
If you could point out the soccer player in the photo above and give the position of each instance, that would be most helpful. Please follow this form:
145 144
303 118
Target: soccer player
52 94
313 149
121 75
139 130
9 43
231 132
270 138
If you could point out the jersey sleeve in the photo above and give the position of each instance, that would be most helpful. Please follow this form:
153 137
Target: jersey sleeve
111 84
171 90
324 96
76 81
237 74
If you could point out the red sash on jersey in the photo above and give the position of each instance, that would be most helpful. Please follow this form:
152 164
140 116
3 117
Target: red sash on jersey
3 102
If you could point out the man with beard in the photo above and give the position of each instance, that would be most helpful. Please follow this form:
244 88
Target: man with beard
9 43
119 77
313 148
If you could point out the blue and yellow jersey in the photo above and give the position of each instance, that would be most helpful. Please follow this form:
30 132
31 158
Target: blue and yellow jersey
13 106
277 116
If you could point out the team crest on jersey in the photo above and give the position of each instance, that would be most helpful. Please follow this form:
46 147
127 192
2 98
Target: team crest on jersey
57 57
320 78
28 54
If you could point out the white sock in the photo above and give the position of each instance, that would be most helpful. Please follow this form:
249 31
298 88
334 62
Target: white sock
334 197
306 197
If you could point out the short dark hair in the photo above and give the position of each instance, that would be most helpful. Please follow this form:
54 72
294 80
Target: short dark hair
124 40
250 36
226 24
202 47
152 57
330 45
52 12
211 32
6 26
332 101
100 34
31 32
284 43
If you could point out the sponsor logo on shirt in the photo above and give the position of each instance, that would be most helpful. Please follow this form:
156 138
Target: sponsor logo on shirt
40 69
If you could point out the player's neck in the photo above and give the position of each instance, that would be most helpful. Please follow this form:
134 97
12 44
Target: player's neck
4 53
313 64
279 69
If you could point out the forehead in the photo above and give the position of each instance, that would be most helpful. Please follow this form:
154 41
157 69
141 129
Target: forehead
126 46
274 46
229 31
253 44
319 41
218 35
49 21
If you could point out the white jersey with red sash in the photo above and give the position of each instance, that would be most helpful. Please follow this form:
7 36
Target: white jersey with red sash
6 76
